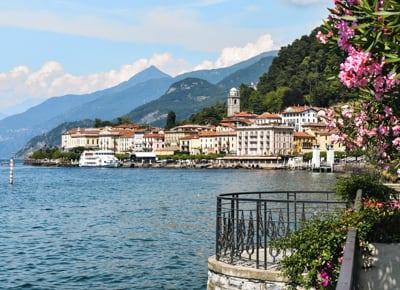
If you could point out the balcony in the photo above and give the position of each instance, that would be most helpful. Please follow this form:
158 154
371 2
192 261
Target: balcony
246 223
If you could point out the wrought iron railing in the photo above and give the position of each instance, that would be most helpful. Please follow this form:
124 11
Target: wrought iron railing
246 223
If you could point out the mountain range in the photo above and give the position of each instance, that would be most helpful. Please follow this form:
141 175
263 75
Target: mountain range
146 98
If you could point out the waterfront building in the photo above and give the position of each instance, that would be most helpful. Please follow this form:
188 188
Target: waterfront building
139 143
190 144
223 139
108 139
153 141
266 140
323 138
173 136
302 142
80 137
207 142
226 140
125 141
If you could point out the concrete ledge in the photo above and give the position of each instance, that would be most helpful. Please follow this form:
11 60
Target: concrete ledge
244 272
384 273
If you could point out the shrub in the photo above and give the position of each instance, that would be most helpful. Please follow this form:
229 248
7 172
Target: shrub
346 187
317 247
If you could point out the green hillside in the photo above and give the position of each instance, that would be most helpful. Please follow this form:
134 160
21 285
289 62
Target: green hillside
309 69
184 98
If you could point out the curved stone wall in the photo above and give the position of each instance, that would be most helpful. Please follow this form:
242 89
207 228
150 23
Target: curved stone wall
223 276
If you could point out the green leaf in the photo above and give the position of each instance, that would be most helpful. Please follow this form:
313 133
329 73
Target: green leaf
386 13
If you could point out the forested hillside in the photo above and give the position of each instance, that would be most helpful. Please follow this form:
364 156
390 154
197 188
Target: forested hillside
304 72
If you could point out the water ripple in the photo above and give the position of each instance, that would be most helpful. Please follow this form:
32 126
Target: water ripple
75 228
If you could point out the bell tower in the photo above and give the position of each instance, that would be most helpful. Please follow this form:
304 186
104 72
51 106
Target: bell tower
233 102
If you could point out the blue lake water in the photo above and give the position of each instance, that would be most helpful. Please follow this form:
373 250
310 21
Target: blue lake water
97 228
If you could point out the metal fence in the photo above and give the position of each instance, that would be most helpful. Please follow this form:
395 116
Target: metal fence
246 223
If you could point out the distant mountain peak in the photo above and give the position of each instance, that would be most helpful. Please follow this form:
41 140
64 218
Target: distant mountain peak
152 72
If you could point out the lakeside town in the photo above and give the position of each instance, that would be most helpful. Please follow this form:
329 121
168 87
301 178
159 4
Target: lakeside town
244 139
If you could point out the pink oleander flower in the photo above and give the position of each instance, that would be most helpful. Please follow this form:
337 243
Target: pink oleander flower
353 2
356 70
335 138
388 111
321 37
396 130
348 113
383 130
372 132
360 118
331 114
396 143
359 141
345 33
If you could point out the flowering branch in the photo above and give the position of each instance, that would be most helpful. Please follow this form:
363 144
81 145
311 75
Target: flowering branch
368 31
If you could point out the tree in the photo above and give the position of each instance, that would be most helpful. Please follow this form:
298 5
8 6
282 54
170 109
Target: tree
368 32
209 115
124 120
171 120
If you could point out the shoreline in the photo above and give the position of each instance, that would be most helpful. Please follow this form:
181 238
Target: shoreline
209 164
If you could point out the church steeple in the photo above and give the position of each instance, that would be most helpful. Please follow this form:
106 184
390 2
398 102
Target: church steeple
233 102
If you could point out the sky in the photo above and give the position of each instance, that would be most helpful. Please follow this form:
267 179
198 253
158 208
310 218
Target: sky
57 47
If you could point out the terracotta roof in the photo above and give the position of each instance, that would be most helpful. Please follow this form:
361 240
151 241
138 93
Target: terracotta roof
207 134
190 137
302 135
154 135
297 109
127 126
269 116
83 131
245 115
127 134
225 133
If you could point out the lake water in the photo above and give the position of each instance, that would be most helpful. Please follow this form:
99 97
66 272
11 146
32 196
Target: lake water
97 228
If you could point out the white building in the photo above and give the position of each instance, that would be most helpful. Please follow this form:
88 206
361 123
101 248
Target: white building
80 137
108 139
266 140
153 141
297 116
268 118
139 142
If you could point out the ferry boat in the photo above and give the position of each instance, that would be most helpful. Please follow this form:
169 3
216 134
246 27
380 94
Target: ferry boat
98 158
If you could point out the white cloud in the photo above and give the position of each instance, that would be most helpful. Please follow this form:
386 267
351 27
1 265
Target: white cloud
232 55
21 85
166 25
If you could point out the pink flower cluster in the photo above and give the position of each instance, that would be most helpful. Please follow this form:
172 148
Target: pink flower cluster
358 69
379 205
325 274
375 122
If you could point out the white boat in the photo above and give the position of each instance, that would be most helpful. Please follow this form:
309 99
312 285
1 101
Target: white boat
98 158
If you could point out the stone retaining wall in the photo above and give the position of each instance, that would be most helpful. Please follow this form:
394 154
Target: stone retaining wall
223 276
